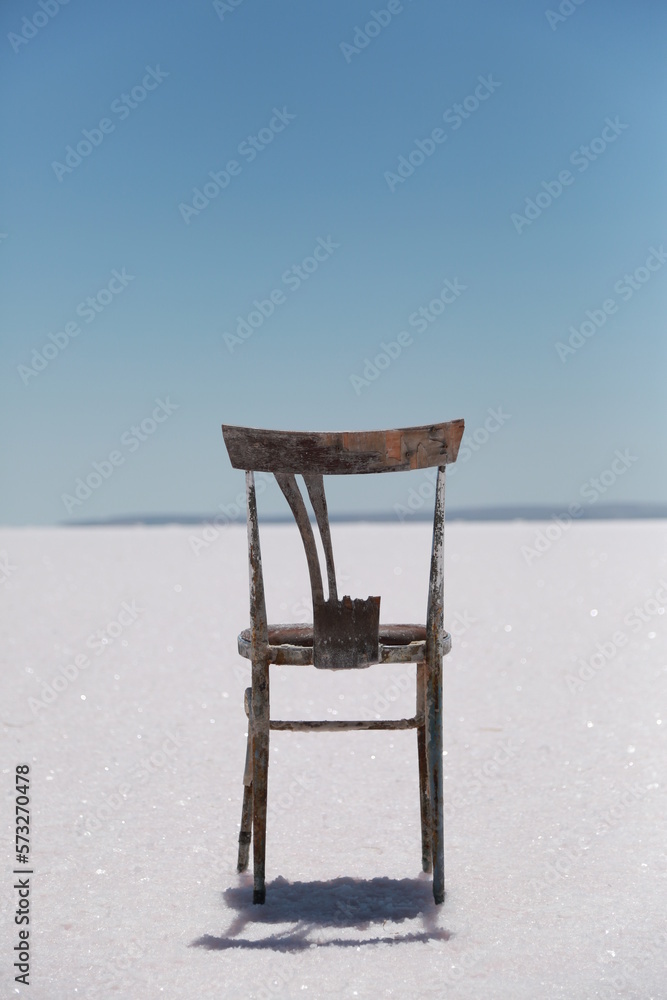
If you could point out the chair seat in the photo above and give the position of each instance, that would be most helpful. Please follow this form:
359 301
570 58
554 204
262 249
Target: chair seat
293 644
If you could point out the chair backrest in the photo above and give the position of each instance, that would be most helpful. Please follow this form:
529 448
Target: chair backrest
345 632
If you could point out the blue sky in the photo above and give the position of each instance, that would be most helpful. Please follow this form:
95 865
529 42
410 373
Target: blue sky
316 106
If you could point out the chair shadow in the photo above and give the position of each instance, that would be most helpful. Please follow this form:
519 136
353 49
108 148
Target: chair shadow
338 904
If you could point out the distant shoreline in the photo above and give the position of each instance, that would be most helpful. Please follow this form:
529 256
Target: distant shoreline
597 512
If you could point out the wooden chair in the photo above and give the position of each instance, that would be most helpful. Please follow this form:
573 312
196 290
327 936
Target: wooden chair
345 633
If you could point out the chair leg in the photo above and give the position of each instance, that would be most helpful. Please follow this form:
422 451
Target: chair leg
425 808
434 754
260 774
245 834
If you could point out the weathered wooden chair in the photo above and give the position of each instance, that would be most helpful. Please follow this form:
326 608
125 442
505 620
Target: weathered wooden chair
345 633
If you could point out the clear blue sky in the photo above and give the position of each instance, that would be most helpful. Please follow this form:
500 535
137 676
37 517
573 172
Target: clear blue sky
181 89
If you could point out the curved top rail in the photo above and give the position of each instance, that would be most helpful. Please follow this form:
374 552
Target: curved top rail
343 452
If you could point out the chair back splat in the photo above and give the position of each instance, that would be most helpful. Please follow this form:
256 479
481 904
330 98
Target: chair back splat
346 632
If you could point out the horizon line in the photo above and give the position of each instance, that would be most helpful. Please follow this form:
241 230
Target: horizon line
491 512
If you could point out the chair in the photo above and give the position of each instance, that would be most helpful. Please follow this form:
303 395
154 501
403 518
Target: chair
345 633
